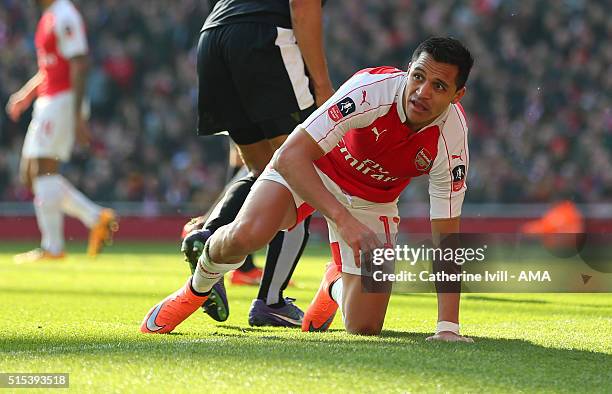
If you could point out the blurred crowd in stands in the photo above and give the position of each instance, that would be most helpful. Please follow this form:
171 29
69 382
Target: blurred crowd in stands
539 99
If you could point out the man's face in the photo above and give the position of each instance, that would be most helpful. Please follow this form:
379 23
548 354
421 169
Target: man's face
430 89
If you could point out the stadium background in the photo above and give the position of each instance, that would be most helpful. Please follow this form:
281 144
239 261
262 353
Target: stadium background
539 105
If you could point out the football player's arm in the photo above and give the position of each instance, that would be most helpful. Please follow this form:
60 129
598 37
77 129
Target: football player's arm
294 161
318 135
21 100
72 45
79 66
307 23
446 193
442 232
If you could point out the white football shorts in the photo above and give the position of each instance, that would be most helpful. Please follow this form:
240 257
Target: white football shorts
382 218
51 132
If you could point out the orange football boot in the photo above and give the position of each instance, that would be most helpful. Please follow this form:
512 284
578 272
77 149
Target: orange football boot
35 255
322 309
562 218
102 232
172 311
250 278
559 229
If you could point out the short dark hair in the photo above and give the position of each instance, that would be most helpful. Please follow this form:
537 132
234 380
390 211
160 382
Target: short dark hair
448 50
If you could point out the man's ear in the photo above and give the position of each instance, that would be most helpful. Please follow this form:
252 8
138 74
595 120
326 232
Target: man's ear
458 95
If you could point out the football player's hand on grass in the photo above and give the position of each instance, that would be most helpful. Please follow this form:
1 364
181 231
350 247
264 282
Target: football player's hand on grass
448 336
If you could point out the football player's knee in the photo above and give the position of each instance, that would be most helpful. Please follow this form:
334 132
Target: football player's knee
246 238
363 328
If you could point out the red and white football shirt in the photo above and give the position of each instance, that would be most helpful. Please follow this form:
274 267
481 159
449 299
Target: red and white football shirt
60 35
372 154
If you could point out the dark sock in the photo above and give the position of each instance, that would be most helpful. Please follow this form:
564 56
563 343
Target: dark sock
282 257
248 264
231 203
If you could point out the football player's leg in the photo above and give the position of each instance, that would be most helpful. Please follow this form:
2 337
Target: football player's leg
172 310
47 203
363 311
248 273
25 172
255 156
259 152
269 208
227 208
77 205
102 222
224 212
363 305
264 89
271 308
73 202
255 152
39 167
322 310
363 301
284 252
221 108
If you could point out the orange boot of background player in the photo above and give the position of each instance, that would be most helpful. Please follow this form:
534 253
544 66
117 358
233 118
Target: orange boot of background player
560 229
562 218
102 232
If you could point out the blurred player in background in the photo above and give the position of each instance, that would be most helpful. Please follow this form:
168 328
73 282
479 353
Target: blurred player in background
58 87
350 160
262 71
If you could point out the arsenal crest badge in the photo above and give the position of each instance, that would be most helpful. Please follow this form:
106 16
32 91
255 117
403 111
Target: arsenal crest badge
423 160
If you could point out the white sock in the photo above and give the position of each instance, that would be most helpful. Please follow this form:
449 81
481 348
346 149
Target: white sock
336 293
207 272
74 203
47 204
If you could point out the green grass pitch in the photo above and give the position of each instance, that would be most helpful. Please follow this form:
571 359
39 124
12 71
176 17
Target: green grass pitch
81 316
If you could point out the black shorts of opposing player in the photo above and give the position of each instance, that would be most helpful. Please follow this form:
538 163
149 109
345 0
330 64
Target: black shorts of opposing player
247 86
